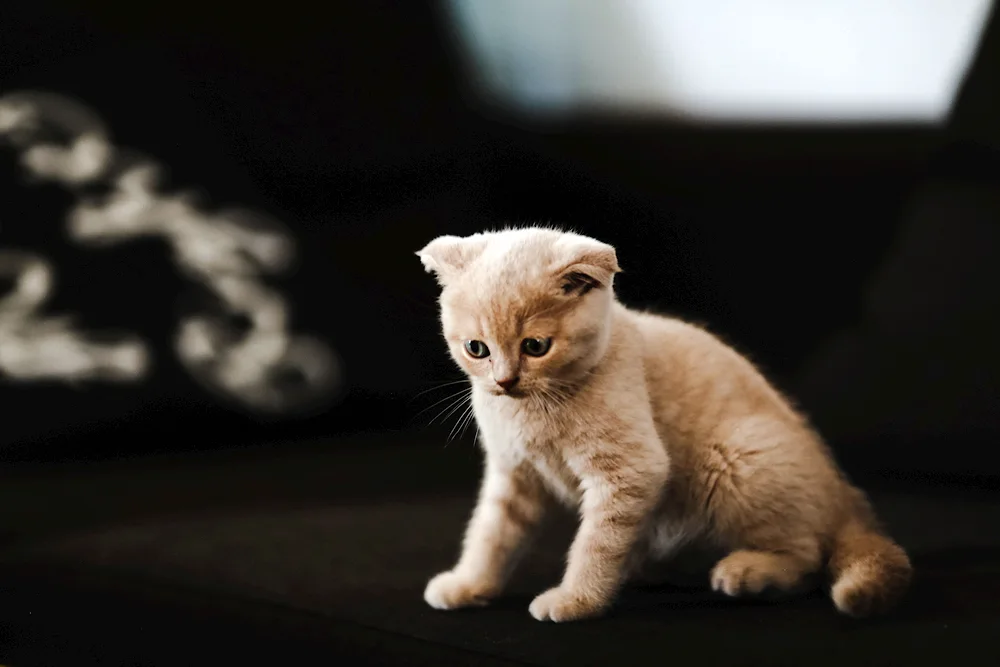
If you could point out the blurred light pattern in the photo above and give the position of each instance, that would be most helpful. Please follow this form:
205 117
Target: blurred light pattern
725 60
260 363
38 347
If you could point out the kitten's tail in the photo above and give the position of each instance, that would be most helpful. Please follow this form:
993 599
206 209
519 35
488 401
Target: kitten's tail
870 572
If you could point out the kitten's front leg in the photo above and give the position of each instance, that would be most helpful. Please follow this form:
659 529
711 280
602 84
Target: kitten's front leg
511 503
621 488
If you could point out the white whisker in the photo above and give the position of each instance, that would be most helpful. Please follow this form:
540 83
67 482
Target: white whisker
439 402
465 406
457 405
455 400
439 386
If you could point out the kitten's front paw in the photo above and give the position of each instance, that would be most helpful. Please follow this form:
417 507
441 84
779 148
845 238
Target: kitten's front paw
455 590
560 604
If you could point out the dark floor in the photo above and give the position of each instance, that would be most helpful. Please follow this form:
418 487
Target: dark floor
321 550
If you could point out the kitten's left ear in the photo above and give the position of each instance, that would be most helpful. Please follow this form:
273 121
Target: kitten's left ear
591 265
447 256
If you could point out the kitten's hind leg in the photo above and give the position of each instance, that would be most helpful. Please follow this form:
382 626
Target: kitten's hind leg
752 572
769 495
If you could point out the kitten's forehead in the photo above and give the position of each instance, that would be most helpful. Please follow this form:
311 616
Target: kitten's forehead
518 255
508 283
499 307
511 282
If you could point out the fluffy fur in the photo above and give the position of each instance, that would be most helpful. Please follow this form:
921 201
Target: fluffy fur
664 438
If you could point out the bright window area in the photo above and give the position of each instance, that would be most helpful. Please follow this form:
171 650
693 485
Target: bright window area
726 60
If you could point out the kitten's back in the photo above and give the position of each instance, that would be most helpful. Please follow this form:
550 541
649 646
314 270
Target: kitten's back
691 371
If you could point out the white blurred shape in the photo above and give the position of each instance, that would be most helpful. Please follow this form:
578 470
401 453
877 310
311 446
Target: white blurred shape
84 152
35 347
62 354
225 251
16 116
726 60
255 364
83 161
32 285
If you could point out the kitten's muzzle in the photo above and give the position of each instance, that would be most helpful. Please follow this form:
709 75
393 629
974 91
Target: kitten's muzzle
507 384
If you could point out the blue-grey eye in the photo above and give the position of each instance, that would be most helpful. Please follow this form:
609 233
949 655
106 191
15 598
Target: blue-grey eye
536 347
477 349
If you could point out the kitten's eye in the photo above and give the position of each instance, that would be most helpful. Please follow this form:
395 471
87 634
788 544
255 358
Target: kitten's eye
477 349
536 347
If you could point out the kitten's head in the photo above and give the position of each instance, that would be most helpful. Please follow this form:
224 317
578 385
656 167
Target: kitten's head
524 311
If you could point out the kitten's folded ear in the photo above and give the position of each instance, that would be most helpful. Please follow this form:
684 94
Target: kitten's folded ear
591 265
448 256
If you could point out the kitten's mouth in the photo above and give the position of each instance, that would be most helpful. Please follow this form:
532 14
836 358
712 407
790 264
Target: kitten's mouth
509 393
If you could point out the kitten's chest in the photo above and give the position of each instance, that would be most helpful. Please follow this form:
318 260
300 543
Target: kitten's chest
558 479
522 439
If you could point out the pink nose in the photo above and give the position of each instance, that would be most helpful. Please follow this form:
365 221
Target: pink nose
508 383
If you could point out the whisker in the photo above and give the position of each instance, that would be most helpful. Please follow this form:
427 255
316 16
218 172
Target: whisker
464 406
448 397
468 422
439 386
458 405
557 402
463 422
549 401
561 396
472 419
457 400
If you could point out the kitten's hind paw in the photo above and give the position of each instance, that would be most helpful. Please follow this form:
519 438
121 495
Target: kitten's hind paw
747 572
455 590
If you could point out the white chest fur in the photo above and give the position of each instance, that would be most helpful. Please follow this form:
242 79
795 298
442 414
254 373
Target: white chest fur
517 436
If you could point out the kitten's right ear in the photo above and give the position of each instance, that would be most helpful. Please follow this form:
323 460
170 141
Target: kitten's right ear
448 256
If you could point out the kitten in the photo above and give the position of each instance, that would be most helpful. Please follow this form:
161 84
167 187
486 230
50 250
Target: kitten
658 433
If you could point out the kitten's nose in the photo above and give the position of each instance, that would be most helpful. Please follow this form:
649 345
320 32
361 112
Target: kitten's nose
508 383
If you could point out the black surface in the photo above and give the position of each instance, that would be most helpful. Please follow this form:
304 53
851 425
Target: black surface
325 552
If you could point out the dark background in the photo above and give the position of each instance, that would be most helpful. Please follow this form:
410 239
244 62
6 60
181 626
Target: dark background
858 266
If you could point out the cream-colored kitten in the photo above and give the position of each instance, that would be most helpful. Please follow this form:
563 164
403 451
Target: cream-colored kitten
658 433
